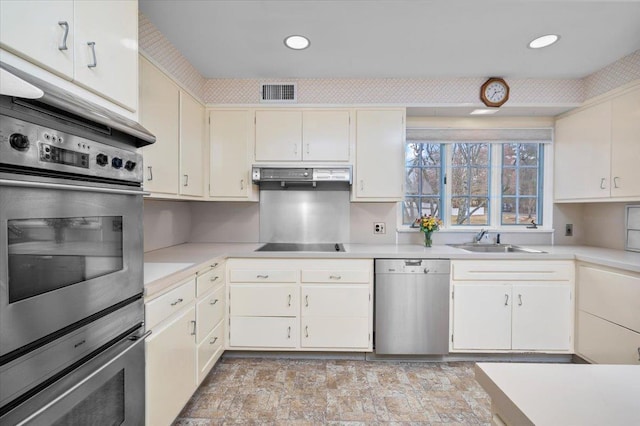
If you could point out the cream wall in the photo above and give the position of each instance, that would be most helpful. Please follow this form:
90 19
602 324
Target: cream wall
166 223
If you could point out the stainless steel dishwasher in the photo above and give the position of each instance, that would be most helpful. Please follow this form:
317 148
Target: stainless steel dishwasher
412 306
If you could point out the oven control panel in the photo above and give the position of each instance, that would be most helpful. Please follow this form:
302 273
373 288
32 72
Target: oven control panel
34 146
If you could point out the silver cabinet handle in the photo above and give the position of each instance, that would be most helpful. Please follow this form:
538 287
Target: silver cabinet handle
92 45
264 277
214 265
150 173
289 332
63 43
194 327
289 302
215 339
602 181
212 279
506 300
213 302
186 180
306 300
176 302
306 331
615 182
335 277
241 184
519 300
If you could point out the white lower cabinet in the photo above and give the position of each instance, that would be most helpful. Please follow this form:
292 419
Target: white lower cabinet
187 338
300 304
608 329
505 306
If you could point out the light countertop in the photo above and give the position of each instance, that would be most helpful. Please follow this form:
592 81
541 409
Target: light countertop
170 265
562 394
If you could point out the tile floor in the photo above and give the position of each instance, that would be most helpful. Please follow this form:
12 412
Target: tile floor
316 392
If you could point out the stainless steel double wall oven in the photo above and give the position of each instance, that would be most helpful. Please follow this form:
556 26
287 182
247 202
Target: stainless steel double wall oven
71 262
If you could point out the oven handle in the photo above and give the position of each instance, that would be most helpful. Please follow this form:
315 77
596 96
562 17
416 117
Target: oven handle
136 339
61 186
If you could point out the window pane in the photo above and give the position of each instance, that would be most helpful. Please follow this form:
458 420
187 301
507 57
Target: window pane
430 206
469 211
423 176
521 174
410 209
509 177
528 181
412 180
480 181
431 181
470 184
509 211
413 154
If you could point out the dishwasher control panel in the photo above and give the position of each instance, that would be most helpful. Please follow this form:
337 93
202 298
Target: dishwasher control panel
412 266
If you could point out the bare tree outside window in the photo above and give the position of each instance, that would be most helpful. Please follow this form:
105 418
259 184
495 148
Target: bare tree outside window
521 180
423 174
470 170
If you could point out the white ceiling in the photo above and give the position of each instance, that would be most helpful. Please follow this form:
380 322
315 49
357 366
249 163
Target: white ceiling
398 38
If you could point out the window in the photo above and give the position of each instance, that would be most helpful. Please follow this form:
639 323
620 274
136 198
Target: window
521 183
488 177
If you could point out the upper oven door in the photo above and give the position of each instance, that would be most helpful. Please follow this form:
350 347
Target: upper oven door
66 252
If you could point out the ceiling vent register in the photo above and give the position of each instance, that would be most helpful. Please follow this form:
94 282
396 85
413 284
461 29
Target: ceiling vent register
278 93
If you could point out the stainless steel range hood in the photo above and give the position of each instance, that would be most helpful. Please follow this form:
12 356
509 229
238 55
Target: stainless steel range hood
287 175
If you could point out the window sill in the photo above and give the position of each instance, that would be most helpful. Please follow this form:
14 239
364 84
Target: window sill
505 230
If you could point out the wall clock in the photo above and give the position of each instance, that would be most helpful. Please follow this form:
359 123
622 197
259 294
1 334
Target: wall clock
494 92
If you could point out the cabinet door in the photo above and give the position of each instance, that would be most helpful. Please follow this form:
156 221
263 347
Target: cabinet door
579 174
278 135
325 135
170 368
481 316
379 155
604 342
268 332
209 351
264 300
191 146
159 101
339 300
209 311
625 145
541 317
112 25
35 30
335 333
229 139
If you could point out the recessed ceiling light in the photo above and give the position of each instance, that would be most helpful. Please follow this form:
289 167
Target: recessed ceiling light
296 42
484 111
544 41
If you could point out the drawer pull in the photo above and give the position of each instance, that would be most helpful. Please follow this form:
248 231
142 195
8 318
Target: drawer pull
92 45
80 343
615 182
306 301
176 302
63 43
602 181
306 331
264 277
289 332
506 300
215 339
193 333
213 302
519 300
212 279
335 277
214 265
289 301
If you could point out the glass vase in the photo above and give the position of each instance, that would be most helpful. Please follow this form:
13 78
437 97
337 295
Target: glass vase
428 242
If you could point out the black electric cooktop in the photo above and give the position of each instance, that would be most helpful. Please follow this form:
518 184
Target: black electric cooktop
327 247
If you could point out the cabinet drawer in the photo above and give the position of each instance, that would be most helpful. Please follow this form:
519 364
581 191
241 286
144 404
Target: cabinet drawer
603 342
209 351
268 332
209 312
262 276
610 295
336 333
164 306
209 279
335 276
264 300
534 270
331 300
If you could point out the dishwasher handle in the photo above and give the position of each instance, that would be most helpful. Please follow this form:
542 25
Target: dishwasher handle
417 262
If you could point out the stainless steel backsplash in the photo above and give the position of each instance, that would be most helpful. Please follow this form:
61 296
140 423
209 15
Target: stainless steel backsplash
304 214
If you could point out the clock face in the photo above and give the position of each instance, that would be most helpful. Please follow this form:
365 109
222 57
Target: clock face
494 92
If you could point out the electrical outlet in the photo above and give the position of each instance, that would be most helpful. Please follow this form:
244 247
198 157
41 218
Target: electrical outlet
568 230
379 228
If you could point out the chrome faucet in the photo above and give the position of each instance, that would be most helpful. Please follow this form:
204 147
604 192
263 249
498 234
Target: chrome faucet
479 235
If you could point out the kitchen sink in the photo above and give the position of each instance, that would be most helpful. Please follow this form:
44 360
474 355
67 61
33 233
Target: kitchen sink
494 248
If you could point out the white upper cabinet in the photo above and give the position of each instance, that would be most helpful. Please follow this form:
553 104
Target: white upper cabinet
191 146
46 38
625 145
230 136
106 49
93 43
597 150
159 112
379 155
302 135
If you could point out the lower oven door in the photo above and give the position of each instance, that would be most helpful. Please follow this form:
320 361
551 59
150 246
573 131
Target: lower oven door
107 390
67 252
